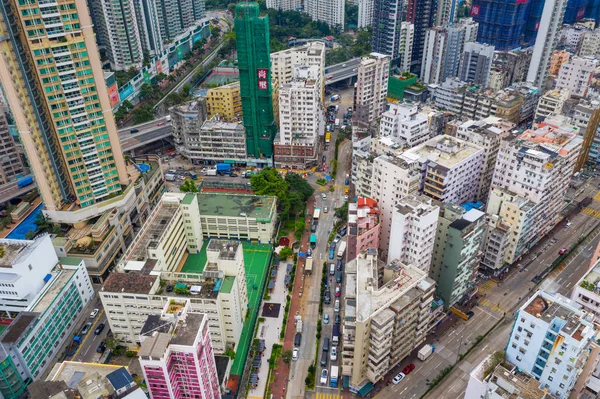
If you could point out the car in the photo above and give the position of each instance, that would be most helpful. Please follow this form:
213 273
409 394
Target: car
99 329
233 175
86 328
563 251
342 231
346 197
569 224
338 291
323 196
344 66
161 123
297 339
309 252
295 354
134 131
170 288
470 314
340 265
325 210
333 354
337 239
325 318
398 378
338 319
329 77
326 147
324 158
101 348
408 369
324 376
336 305
327 298
94 313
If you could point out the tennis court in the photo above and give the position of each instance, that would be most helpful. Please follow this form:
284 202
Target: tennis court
256 263
217 79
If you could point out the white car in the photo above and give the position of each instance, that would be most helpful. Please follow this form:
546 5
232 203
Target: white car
324 377
94 313
295 354
398 378
337 239
325 210
333 354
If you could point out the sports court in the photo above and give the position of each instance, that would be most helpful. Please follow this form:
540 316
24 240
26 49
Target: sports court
256 263
217 79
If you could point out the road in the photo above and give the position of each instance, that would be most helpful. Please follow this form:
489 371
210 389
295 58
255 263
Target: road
87 349
309 309
148 132
338 72
11 190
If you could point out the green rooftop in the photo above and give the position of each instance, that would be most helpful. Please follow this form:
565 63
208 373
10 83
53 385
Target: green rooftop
188 199
227 284
236 205
70 261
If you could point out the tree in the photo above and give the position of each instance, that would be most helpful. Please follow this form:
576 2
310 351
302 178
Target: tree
285 253
143 114
111 343
160 77
230 353
146 91
286 356
188 186
215 30
351 18
299 185
342 211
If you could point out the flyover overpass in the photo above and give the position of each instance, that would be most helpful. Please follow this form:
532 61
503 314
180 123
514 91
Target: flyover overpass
338 72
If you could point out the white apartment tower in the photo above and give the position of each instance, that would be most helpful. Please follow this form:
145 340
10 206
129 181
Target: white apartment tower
530 180
590 44
329 11
365 13
476 63
576 75
404 124
551 103
550 341
370 90
546 41
285 5
412 236
116 34
434 55
301 119
406 40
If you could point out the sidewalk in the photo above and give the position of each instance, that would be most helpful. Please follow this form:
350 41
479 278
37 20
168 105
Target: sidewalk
282 370
269 331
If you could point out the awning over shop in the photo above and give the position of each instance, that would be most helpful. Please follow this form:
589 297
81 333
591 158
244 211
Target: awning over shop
365 389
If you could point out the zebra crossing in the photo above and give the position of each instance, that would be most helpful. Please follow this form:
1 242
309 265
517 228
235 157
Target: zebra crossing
319 395
592 212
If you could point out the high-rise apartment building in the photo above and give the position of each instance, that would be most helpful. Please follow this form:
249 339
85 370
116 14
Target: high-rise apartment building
116 34
590 44
11 166
407 36
253 49
509 67
456 255
434 55
586 115
546 40
332 12
365 13
412 234
550 340
487 134
404 124
283 63
558 58
388 28
285 5
421 13
217 141
551 103
301 119
576 75
146 12
446 12
501 23
385 318
530 180
65 118
476 63
175 16
370 90
179 362
363 226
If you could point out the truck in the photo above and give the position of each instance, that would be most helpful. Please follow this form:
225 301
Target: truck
223 168
333 378
425 352
337 122
341 249
317 214
170 177
308 265
327 137
210 172
25 181
74 345
168 118
335 335
335 97
313 241
299 326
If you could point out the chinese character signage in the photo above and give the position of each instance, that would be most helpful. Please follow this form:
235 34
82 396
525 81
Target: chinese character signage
475 11
262 74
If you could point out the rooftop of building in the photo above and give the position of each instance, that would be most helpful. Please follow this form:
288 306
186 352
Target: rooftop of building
507 382
189 107
591 280
131 283
12 251
419 205
218 125
444 150
73 372
156 324
51 390
236 205
548 307
227 249
184 334
18 326
556 94
490 126
553 136
370 298
60 278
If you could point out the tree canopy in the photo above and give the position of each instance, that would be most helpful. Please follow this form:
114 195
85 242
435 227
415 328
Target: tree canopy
350 48
291 192
188 186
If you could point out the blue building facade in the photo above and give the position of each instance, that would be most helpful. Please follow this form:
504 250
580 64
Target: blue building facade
501 22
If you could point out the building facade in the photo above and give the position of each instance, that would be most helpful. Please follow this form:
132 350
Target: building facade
558 58
506 16
370 90
224 101
253 50
11 167
217 141
181 362
476 63
365 13
551 103
404 124
332 12
576 75
422 14
363 227
285 5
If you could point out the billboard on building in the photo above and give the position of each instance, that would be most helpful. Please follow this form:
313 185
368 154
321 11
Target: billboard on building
113 95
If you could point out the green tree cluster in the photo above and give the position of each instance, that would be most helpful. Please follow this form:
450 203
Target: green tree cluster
291 192
123 110
350 47
145 113
188 186
351 18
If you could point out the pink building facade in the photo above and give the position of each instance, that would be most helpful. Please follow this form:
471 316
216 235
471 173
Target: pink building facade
363 227
181 364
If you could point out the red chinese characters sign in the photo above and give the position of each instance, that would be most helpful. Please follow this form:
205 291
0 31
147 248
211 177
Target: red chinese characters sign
262 74
475 11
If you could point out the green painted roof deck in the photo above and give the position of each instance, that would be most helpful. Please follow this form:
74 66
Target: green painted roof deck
70 261
236 205
195 262
188 199
227 284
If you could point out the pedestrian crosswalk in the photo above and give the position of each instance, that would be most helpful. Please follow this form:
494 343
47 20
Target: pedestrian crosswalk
597 196
491 306
591 212
487 286
320 395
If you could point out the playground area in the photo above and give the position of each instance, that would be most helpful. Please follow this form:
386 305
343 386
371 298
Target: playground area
256 263
221 76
